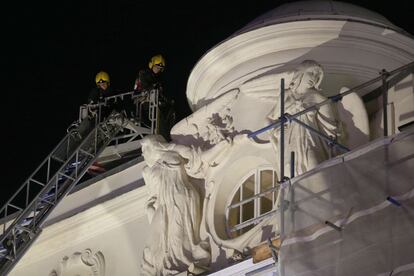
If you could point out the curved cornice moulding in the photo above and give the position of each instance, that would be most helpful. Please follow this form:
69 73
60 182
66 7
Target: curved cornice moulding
318 10
253 44
289 41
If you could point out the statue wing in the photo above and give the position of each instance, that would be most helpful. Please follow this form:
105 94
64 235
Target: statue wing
354 119
191 124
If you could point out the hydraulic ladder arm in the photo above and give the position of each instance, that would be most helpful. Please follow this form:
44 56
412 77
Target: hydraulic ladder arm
47 186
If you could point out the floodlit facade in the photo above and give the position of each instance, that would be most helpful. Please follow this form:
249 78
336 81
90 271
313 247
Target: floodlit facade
210 201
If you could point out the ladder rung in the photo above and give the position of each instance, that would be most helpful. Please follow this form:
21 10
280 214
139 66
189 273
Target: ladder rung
67 176
47 201
57 159
87 153
10 258
37 182
104 132
14 206
25 229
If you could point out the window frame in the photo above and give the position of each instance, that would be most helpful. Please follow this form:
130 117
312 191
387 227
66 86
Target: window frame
259 193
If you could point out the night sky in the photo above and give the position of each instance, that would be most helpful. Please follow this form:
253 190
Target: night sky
52 51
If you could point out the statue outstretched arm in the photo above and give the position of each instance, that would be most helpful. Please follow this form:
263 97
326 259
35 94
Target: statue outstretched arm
197 161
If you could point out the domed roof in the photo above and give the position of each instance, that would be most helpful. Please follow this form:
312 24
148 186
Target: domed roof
318 10
342 36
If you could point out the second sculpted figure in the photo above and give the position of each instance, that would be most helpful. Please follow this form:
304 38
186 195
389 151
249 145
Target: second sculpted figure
302 91
345 120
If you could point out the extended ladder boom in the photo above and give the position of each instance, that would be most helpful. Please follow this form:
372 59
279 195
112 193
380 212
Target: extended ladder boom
47 186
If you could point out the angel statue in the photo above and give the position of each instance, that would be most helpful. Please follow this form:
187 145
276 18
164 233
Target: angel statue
301 92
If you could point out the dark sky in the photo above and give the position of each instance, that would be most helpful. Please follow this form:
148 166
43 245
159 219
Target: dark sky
52 51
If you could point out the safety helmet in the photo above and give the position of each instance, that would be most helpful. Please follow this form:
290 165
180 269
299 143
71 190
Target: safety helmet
101 77
157 60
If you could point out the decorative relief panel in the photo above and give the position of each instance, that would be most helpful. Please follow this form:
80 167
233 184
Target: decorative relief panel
85 263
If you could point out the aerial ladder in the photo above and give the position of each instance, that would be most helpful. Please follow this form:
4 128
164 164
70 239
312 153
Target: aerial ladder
24 214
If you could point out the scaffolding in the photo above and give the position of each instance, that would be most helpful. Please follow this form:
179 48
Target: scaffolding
295 197
352 216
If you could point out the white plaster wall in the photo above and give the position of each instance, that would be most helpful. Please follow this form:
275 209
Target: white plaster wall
400 108
95 192
401 96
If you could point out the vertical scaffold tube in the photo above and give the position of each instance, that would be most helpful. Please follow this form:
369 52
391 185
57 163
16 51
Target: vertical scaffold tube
385 101
292 192
282 167
282 154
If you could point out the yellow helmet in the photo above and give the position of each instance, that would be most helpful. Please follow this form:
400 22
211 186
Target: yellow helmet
101 77
157 60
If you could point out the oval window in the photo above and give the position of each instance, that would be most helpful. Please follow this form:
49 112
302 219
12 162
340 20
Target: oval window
252 201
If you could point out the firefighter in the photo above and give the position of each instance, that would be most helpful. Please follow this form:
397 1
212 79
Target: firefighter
102 90
89 111
150 78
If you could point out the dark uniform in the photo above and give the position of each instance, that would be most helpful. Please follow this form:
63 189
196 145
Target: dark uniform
98 95
145 82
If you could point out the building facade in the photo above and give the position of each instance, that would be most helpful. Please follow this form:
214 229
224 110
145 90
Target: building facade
205 201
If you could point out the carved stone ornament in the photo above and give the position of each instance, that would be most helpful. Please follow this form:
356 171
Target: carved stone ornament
210 124
84 263
206 147
174 212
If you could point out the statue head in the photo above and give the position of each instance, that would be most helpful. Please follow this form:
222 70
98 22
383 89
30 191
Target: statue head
156 150
308 75
152 146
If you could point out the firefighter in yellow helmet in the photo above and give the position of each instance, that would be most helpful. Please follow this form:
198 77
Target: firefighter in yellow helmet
102 89
150 77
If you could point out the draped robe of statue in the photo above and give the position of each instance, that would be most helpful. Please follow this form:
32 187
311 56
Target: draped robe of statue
302 92
345 120
309 148
174 212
